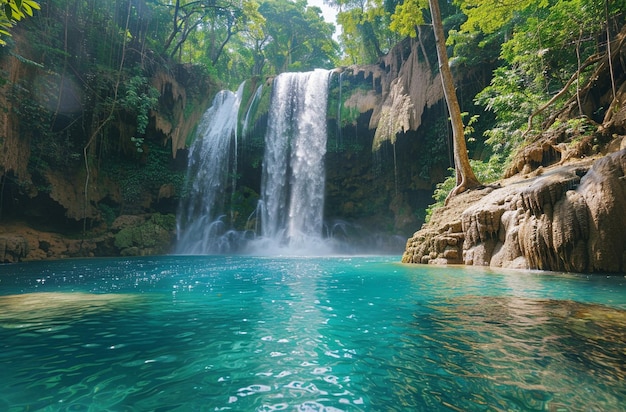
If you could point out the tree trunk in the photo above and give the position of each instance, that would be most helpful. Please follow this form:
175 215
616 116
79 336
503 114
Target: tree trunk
465 178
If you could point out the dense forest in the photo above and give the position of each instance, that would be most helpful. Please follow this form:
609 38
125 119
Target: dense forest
105 95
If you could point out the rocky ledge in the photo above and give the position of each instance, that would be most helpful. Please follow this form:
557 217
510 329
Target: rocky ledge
562 218
129 235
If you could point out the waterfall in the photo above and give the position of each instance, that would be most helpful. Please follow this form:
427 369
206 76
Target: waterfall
211 160
291 204
292 192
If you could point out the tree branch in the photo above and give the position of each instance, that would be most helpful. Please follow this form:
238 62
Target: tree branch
590 60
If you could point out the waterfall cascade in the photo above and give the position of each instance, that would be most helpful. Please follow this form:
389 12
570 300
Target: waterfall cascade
199 221
291 207
274 188
292 193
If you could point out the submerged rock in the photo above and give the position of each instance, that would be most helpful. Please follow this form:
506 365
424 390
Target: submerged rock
19 311
565 218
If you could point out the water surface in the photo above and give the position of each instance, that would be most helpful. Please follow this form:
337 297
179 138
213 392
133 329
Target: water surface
308 334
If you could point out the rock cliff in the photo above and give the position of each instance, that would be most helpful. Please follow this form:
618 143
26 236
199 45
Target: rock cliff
563 218
51 204
385 108
562 206
78 183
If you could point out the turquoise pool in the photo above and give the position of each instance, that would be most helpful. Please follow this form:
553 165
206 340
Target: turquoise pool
215 333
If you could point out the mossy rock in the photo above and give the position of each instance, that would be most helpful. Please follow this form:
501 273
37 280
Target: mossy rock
153 236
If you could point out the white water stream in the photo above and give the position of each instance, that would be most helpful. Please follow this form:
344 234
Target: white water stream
291 208
292 192
211 159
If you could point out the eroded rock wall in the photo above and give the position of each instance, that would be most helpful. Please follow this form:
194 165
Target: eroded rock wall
403 85
129 235
564 218
185 94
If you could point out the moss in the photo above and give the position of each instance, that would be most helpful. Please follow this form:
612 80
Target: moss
155 235
348 114
124 238
137 178
108 213
167 222
247 98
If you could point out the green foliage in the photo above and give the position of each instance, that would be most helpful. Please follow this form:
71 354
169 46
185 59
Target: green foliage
512 103
489 171
243 204
167 222
436 148
108 213
259 108
201 29
488 17
49 149
441 193
576 129
365 34
407 16
346 114
125 238
137 178
298 38
14 11
546 41
550 40
349 115
139 98
155 233
469 129
486 172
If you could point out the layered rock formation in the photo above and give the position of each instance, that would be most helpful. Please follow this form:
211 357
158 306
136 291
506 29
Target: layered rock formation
563 204
565 218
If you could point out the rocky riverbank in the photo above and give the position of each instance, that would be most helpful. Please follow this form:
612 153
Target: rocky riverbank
567 217
129 235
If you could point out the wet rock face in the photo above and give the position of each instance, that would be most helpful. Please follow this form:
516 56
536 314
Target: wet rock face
130 235
604 191
13 248
566 218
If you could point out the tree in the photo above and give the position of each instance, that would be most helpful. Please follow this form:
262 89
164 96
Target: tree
297 37
14 11
220 18
365 34
465 177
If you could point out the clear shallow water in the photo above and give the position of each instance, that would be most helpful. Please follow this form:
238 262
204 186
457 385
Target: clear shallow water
307 334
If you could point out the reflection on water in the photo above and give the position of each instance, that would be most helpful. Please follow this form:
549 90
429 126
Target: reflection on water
245 334
19 311
530 354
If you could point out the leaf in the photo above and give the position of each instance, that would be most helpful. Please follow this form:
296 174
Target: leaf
32 4
407 16
15 8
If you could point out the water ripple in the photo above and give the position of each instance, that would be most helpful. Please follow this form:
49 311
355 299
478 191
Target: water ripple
251 335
